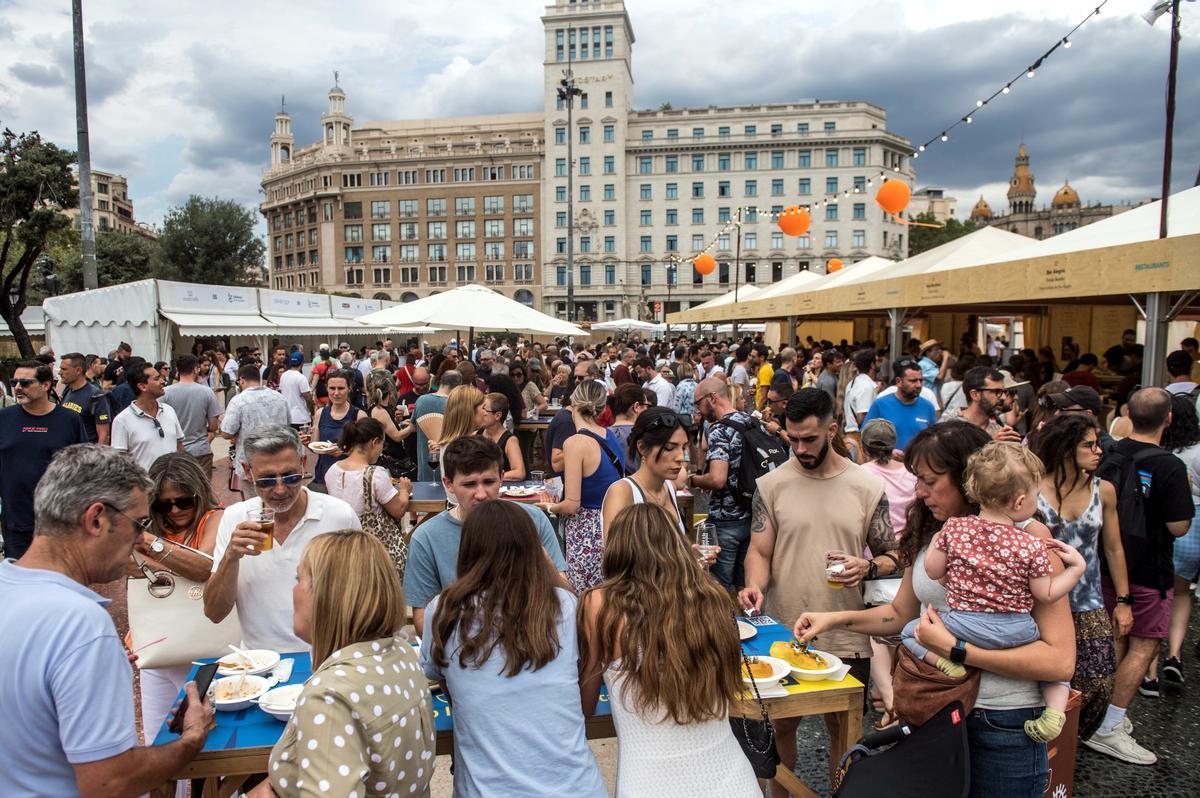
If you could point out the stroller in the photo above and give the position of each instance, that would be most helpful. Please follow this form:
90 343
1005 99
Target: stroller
927 761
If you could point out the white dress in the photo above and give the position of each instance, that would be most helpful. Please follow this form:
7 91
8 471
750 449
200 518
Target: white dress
663 759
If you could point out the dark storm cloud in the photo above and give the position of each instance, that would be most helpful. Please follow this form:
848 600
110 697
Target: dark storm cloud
1095 110
41 75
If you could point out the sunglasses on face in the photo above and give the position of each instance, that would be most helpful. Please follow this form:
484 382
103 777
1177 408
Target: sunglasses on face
142 525
165 506
289 480
24 382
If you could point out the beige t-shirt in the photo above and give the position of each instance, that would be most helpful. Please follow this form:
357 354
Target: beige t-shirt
811 516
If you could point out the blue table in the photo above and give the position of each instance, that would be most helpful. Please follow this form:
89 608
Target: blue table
241 743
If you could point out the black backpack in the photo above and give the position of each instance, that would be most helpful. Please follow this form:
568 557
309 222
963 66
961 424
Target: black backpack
1122 471
762 453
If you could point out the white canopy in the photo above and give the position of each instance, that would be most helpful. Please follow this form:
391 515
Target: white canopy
470 306
739 294
34 319
801 281
865 269
629 326
411 330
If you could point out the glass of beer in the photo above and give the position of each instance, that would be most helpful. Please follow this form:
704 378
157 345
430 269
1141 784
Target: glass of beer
265 518
834 566
706 539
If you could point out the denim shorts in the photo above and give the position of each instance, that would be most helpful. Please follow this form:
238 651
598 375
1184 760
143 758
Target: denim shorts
1005 761
1187 552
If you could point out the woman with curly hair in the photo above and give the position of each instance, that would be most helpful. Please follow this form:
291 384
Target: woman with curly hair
1081 510
659 632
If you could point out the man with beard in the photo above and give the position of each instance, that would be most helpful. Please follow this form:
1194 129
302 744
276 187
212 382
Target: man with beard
256 574
988 399
819 505
908 411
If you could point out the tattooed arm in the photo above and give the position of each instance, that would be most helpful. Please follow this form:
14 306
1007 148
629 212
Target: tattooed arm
758 557
881 538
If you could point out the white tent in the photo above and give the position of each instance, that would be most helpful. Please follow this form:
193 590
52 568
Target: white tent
34 319
739 294
628 326
801 281
865 269
470 306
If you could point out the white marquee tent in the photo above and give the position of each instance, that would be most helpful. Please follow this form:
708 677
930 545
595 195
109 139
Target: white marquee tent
628 326
470 306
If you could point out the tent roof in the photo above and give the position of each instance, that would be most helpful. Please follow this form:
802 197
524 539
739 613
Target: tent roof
216 324
987 243
129 303
742 292
628 325
470 306
34 319
865 269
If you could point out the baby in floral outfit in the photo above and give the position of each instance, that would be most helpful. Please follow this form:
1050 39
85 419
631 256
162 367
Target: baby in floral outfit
994 569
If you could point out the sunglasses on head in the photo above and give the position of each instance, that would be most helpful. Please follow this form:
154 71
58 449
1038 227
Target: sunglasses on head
290 480
24 382
166 505
668 420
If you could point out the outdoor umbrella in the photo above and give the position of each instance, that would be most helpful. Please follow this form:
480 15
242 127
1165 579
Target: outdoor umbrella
629 326
470 306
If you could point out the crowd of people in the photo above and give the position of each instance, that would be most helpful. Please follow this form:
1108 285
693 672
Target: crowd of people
990 508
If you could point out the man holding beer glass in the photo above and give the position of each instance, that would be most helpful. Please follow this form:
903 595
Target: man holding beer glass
260 541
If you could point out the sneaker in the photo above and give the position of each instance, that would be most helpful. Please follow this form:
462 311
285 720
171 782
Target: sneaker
1149 688
1119 745
1172 670
1127 725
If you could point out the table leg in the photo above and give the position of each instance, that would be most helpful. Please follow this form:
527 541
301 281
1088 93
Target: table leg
845 728
791 782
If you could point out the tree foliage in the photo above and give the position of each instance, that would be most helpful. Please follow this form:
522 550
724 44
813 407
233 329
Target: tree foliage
36 183
211 240
120 258
921 239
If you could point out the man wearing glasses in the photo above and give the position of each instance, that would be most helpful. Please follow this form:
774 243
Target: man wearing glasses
988 399
251 574
31 432
147 429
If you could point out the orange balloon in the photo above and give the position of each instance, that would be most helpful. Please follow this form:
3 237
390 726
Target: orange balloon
833 266
704 263
893 196
794 221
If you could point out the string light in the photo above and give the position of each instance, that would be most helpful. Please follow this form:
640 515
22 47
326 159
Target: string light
1028 72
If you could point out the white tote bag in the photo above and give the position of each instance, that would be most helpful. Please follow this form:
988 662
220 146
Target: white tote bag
166 616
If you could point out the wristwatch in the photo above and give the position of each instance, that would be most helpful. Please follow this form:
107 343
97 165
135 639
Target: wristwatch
1127 599
958 654
158 547
872 570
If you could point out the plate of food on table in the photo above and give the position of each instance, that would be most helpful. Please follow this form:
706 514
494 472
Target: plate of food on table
806 663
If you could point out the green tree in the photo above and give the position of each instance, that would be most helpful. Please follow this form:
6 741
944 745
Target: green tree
36 182
120 258
921 239
211 240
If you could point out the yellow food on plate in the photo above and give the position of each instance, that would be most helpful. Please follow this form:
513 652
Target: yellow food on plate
798 658
758 669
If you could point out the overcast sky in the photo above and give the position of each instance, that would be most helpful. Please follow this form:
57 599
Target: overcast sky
182 93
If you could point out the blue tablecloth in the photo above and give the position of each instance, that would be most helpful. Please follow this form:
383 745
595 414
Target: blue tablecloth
253 728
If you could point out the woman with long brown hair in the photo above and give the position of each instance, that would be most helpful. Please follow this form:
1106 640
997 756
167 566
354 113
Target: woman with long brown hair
659 632
356 730
502 640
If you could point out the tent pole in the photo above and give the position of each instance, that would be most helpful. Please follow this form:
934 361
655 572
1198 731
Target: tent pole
895 322
792 339
470 340
1153 358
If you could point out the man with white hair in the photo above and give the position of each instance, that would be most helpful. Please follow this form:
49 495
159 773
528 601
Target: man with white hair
256 573
357 389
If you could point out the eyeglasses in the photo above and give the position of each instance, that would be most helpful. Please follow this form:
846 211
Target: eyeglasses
24 382
290 480
166 505
703 396
997 391
580 377
157 426
141 524
1094 445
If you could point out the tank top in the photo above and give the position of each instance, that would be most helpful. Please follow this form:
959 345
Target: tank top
503 442
596 484
191 538
639 497
1082 534
331 430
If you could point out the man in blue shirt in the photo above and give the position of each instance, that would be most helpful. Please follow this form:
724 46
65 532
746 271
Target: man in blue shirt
906 409
67 690
931 364
471 471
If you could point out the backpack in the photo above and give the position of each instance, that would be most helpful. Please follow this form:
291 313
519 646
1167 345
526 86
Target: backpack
762 453
1122 471
321 391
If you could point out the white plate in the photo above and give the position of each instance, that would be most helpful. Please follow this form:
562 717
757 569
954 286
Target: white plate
323 447
255 687
264 662
821 675
746 630
518 492
280 703
779 669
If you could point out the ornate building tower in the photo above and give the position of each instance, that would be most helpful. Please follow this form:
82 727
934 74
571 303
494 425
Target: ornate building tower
982 212
282 142
1021 191
335 122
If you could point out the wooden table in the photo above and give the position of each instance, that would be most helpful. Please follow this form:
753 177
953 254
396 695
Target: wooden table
235 749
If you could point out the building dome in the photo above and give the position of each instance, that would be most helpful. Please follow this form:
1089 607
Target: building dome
338 91
1066 197
981 210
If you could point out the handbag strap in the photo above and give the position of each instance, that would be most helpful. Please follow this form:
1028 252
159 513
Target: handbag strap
753 682
368 489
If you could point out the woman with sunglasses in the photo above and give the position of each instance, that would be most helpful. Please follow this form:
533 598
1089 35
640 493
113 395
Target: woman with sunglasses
185 515
531 394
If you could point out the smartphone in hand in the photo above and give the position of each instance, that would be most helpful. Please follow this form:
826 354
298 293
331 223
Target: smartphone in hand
204 677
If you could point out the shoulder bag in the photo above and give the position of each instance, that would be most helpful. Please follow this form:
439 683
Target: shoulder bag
376 521
167 624
921 690
757 737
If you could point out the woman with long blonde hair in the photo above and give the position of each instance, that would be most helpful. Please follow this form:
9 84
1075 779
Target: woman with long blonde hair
659 632
502 639
464 414
356 730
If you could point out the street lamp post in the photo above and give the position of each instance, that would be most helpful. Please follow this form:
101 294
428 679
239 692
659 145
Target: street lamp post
672 270
567 92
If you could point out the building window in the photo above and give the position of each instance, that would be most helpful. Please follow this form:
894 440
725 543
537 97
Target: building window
610 191
697 190
585 192
672 217
697 163
381 276
610 218
860 183
610 243
435 230
805 159
777 187
672 243
723 272
608 99
492 172
751 240
723 132
610 273
352 232
560 246
860 156
722 215
723 189
464 229
672 191
697 132
409 253
610 164
561 275
647 135
723 160
645 166
802 128
585 274
464 206
697 216
354 254
831 239
408 230
831 213
437 275
672 134
723 242
352 181
379 232
751 131
406 208
644 191
522 227
493 228
610 134
436 252
805 186
560 167
583 101
585 134
859 238
644 218
859 211
585 243
560 135
523 249
560 193
697 277
381 209
522 203
697 242
776 128
776 160
608 41
645 244
672 164
495 274
378 178
831 157
558 45
435 175
435 207
350 210
777 240
804 242
830 127
831 185
493 205
646 273
493 250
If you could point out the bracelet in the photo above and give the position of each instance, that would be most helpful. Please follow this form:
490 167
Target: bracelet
892 557
1127 600
167 556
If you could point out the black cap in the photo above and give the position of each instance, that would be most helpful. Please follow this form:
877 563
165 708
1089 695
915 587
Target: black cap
1080 395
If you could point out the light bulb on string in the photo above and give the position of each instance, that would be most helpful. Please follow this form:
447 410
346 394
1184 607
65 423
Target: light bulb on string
979 103
1007 88
945 136
1030 73
967 119
921 148
1066 44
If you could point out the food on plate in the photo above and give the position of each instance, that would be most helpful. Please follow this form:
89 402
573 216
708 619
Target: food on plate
233 689
520 492
797 657
757 669
282 698
323 447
